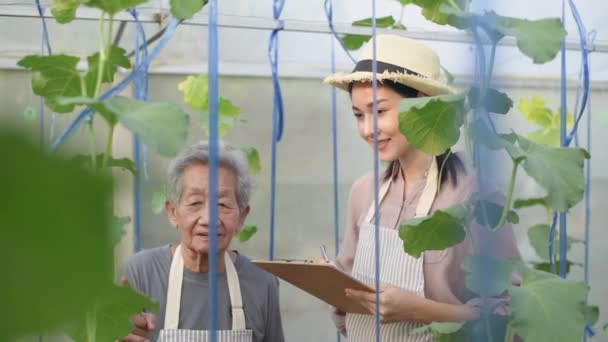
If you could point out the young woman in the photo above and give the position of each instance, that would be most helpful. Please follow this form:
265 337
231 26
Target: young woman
414 291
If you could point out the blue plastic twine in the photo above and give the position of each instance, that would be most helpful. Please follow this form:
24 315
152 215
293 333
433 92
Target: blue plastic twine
213 165
277 115
140 85
329 13
376 171
44 43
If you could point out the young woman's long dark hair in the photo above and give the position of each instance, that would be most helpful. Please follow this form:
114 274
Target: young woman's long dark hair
448 163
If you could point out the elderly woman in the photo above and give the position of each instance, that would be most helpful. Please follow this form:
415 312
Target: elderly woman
177 275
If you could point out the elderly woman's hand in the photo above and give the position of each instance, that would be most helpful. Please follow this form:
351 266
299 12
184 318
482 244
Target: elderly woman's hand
396 304
143 323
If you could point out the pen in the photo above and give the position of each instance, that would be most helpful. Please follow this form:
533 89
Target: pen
324 252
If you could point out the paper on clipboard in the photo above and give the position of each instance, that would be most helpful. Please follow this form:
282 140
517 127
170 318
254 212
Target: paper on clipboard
322 281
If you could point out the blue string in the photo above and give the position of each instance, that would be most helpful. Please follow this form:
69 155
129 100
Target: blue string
329 12
45 32
140 85
585 66
563 236
334 130
376 171
44 42
86 113
277 114
212 71
588 330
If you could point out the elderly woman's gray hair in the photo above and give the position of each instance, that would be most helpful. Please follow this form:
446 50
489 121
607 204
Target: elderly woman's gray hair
229 158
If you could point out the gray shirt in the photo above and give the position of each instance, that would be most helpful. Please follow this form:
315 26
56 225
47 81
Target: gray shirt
148 272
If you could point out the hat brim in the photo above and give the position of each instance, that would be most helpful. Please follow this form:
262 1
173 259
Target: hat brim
428 86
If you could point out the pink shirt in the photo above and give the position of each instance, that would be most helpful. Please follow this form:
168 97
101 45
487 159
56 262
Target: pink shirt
443 277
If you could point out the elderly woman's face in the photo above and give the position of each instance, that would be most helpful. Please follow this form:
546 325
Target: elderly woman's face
191 216
391 142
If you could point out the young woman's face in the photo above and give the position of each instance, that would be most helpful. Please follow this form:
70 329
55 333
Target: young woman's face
391 142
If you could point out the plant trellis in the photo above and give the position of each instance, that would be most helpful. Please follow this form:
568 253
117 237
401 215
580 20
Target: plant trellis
139 77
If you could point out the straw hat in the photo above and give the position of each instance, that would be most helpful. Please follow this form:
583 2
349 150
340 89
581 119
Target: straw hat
401 60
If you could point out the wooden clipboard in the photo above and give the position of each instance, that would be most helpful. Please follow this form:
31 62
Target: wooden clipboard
325 282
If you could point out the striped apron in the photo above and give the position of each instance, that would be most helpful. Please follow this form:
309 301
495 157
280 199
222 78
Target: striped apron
396 268
171 332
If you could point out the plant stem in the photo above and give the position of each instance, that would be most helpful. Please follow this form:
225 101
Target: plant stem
467 136
108 152
508 333
92 144
453 4
507 207
102 55
486 322
401 15
91 324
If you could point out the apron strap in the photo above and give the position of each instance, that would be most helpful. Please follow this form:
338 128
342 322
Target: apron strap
174 292
234 288
425 202
383 191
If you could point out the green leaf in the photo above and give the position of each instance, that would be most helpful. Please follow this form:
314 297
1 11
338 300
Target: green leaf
541 301
405 2
474 330
64 11
118 228
565 184
382 22
354 41
538 235
433 9
432 124
124 163
227 108
113 314
158 201
592 314
548 137
399 26
482 134
545 267
440 327
114 6
228 115
246 233
46 242
162 126
54 76
528 202
535 112
494 101
186 9
487 276
440 230
116 57
196 92
488 214
253 158
448 75
95 105
540 40
29 114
